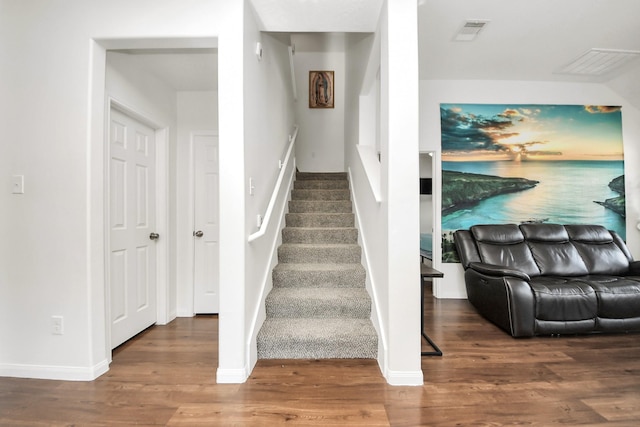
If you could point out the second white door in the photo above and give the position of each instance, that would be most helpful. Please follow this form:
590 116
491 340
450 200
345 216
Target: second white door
206 229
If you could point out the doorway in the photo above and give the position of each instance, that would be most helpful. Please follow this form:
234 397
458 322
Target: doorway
206 245
170 89
428 240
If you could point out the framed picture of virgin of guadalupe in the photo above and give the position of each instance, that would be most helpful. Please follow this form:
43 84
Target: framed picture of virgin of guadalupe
321 89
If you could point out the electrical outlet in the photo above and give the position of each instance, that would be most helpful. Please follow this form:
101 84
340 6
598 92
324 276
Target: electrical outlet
57 325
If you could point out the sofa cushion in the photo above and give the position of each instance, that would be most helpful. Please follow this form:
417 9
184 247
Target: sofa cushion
504 245
466 247
588 233
545 232
501 234
561 299
552 251
618 298
598 250
558 259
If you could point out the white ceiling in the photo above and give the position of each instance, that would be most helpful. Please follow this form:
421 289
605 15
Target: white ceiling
524 40
293 16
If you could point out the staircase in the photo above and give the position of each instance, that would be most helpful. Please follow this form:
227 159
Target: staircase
318 307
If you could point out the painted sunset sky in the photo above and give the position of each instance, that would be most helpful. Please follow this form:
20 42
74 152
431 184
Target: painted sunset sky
502 132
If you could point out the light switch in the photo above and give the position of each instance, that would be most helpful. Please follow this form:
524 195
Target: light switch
17 184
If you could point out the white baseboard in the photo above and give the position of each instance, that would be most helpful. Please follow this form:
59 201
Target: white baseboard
185 314
404 378
60 373
231 376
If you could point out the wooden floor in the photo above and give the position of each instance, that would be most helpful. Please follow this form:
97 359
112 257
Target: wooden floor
166 376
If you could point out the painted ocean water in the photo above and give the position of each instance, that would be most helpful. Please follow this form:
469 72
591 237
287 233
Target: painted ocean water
565 194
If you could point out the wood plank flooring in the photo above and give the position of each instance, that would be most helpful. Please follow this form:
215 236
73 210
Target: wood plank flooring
166 376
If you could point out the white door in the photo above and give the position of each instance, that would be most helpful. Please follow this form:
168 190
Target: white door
206 224
132 251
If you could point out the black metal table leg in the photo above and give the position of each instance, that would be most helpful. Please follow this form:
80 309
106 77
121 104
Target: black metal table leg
437 351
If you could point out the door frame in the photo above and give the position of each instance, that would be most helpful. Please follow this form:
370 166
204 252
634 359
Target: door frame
161 211
191 253
99 339
436 249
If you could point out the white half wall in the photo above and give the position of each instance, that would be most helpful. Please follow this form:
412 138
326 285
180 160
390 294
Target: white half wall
389 223
269 124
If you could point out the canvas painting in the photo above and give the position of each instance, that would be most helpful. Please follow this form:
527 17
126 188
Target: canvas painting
321 91
516 164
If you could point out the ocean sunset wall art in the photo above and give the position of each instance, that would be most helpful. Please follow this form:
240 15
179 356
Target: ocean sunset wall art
514 164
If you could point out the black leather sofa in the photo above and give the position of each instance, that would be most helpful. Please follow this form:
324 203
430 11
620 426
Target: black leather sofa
546 279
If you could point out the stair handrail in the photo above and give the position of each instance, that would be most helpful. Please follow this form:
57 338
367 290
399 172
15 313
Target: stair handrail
276 189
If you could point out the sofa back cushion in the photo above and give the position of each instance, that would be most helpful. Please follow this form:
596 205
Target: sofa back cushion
466 247
598 250
504 245
552 250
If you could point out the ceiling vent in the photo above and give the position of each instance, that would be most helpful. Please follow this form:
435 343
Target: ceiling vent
598 62
470 30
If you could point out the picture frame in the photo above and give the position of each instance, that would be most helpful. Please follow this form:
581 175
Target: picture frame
321 89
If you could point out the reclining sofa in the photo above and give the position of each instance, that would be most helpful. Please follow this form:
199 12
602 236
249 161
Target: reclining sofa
548 279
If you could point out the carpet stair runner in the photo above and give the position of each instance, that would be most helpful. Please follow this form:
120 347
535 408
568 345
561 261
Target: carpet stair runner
319 307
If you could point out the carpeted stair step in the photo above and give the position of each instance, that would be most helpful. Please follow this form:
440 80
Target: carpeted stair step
320 220
323 176
318 303
307 194
325 253
310 338
318 307
319 235
325 206
324 184
292 275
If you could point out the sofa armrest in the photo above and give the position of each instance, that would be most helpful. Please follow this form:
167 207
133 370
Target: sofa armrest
634 268
498 270
507 301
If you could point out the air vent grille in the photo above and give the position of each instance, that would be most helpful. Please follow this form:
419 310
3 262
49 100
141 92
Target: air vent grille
598 62
470 30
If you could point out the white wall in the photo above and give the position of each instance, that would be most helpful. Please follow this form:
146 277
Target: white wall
432 93
52 251
269 122
196 111
389 224
320 146
136 88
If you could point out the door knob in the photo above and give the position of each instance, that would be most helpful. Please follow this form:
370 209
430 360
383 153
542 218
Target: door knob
198 233
154 236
